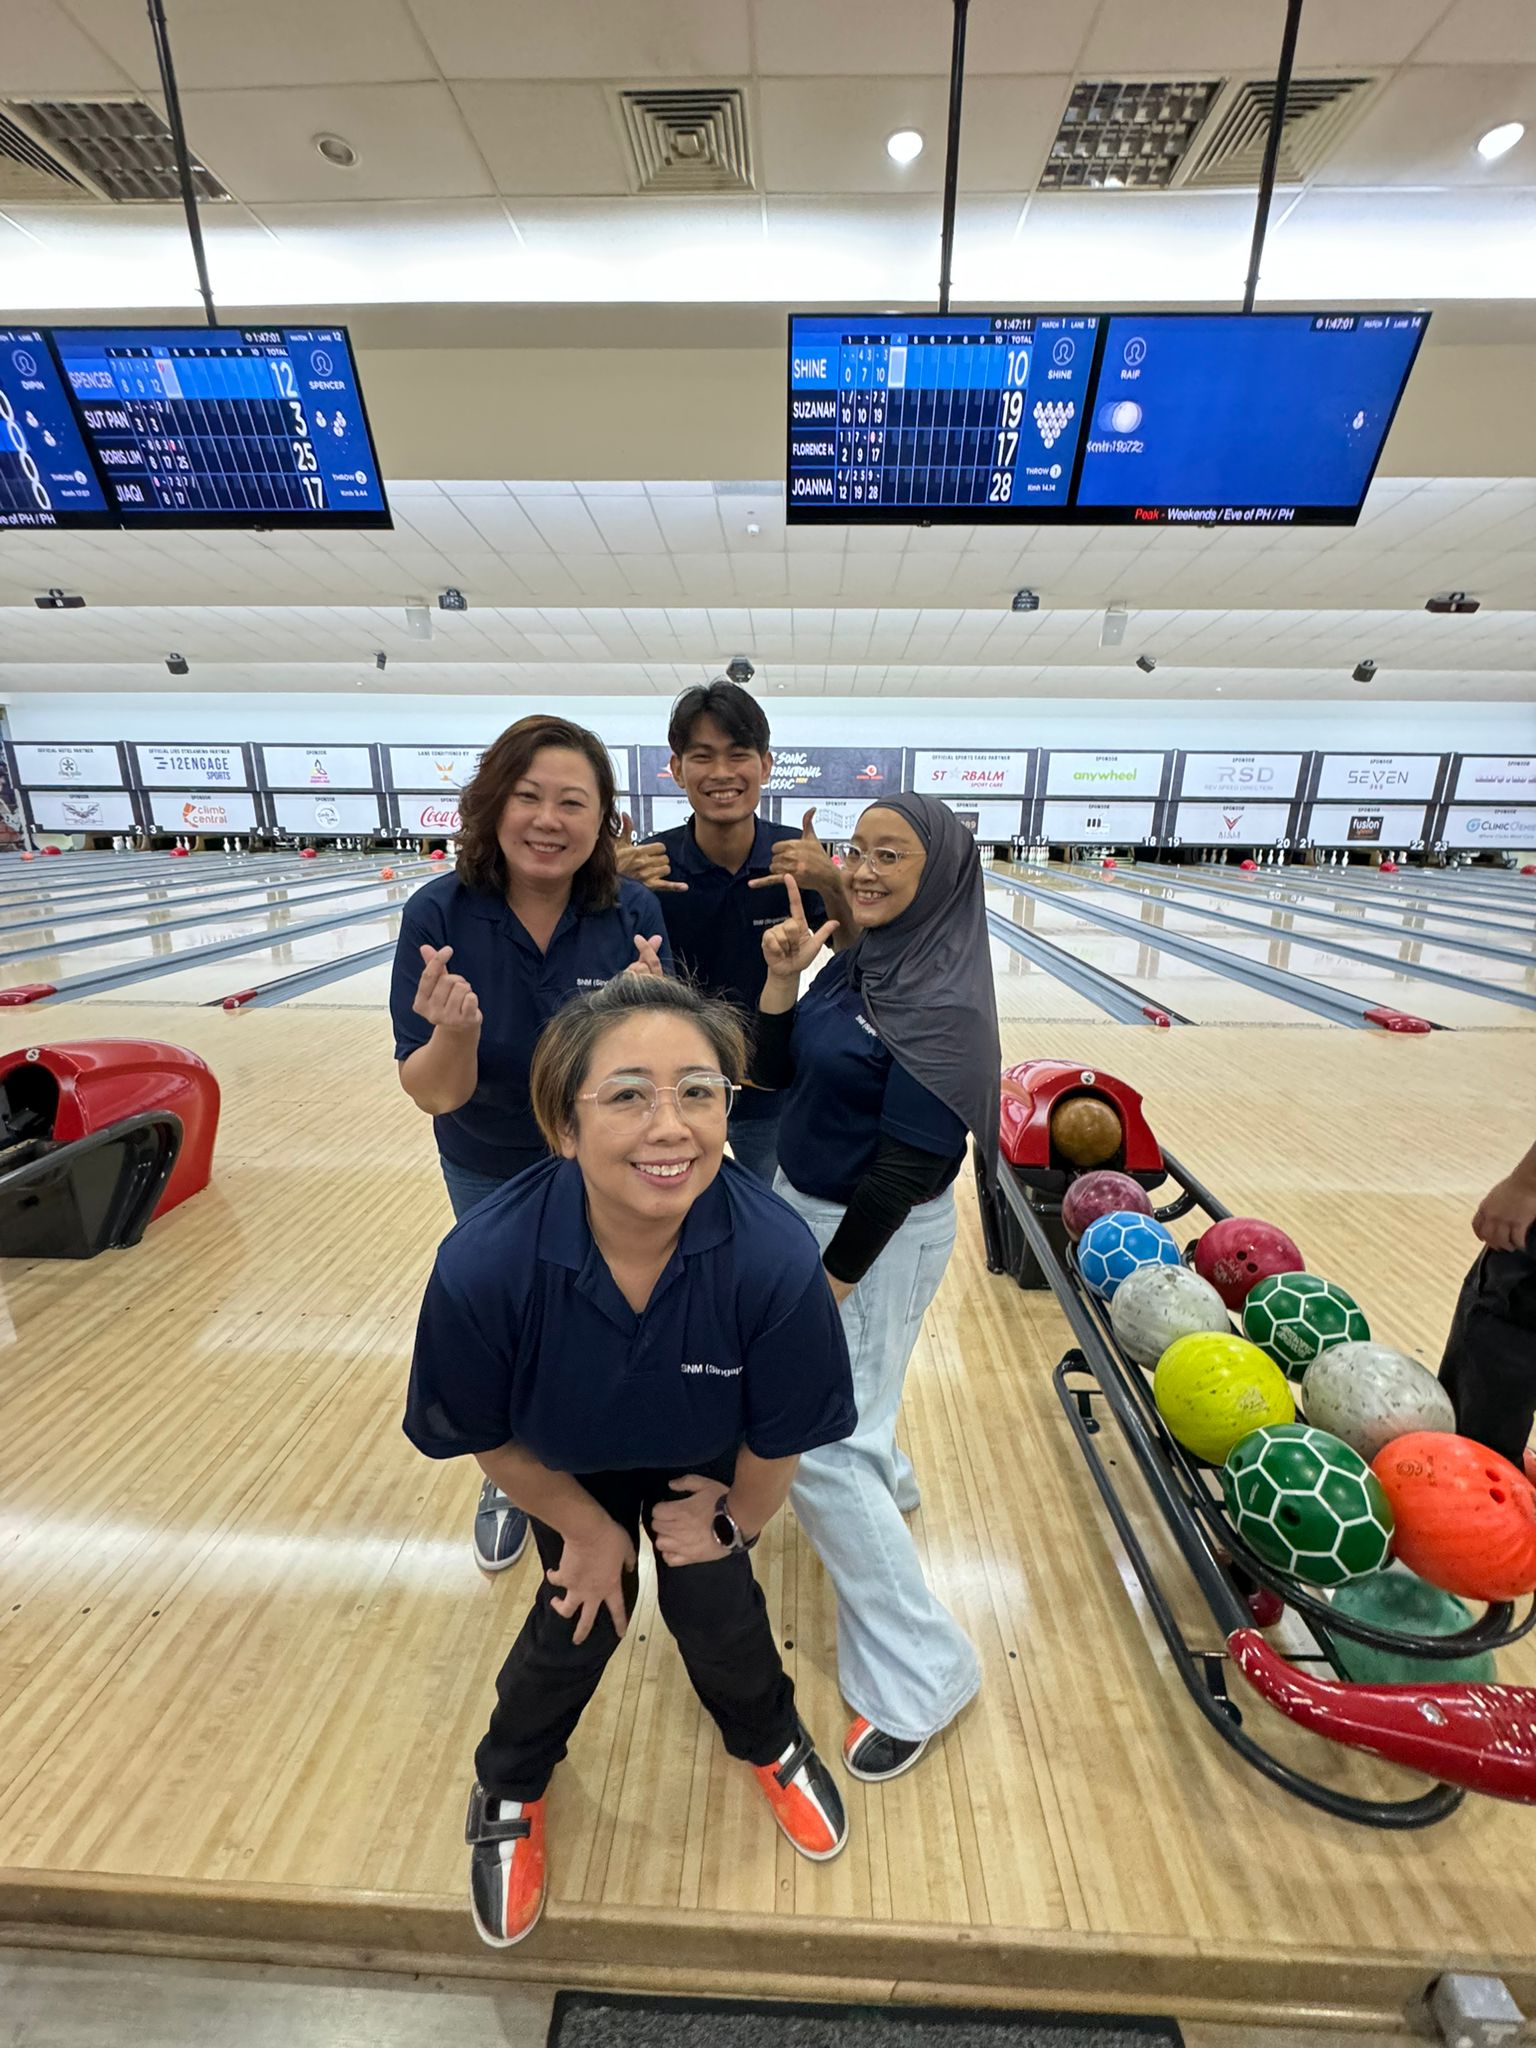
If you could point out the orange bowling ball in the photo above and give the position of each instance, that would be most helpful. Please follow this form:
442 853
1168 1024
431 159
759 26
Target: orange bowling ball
1466 1518
386 874
1086 1130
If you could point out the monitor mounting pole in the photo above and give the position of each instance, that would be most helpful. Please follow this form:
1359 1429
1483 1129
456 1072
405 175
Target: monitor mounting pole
952 152
1272 149
162 37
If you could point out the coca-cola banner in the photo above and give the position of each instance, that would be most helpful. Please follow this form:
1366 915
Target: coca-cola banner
969 774
94 766
798 771
231 810
432 816
1245 775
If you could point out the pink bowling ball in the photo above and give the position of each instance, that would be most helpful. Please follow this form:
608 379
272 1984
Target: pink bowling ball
1248 866
1093 1195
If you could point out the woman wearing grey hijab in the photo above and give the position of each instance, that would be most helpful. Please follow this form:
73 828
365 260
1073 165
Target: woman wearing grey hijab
889 1061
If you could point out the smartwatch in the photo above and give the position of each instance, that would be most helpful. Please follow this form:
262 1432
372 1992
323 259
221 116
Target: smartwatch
727 1533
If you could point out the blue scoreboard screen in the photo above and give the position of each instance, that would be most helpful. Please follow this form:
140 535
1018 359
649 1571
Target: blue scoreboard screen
46 477
1102 419
945 417
224 426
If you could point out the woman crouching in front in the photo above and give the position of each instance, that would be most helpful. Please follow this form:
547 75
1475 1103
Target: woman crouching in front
636 1332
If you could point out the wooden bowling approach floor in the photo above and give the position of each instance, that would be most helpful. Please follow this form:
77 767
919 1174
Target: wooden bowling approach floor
245 1652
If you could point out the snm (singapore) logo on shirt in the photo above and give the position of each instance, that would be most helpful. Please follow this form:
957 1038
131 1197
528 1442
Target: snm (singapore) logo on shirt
718 1372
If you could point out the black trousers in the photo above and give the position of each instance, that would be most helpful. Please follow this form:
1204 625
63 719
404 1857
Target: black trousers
716 1613
1489 1367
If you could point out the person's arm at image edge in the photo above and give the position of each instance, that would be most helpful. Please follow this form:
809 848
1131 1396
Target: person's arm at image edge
1507 1213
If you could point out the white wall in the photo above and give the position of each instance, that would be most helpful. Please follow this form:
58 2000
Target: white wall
894 721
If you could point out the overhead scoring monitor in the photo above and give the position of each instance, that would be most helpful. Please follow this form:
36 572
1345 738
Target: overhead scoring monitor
1103 419
225 426
46 477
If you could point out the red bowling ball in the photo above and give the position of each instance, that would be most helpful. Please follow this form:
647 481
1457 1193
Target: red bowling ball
308 853
1093 1195
1465 1517
1389 867
1248 866
1240 1251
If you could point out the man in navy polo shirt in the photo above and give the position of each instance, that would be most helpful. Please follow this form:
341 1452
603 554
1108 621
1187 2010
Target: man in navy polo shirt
723 874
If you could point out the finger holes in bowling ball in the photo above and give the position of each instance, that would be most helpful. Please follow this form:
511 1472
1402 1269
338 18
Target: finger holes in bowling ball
1291 1516
1496 1495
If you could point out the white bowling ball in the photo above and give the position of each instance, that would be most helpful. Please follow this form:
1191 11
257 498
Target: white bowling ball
1368 1394
1157 1305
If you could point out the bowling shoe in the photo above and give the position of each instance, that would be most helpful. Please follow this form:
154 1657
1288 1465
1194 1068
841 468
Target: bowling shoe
804 1800
501 1530
506 1866
869 1753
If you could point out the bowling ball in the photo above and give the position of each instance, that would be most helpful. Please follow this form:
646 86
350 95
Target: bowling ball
1307 1504
1109 864
53 851
308 853
1369 1395
1396 1599
437 853
1466 1518
386 874
1159 1304
1214 1390
1529 1461
1248 866
1239 1251
1086 1130
1389 867
1093 1195
1113 1247
1294 1316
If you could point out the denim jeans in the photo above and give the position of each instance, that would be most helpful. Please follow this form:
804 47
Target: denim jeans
466 1188
755 1145
903 1661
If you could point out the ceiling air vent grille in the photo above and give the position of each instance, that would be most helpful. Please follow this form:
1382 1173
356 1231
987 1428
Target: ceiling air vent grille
688 138
1318 112
93 149
1119 133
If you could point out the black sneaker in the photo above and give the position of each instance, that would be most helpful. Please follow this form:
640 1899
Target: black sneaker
501 1530
869 1753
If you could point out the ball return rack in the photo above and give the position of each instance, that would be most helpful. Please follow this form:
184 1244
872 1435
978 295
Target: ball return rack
1466 1736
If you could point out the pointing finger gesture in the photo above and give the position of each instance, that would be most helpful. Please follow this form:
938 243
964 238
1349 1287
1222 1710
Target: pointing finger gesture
790 947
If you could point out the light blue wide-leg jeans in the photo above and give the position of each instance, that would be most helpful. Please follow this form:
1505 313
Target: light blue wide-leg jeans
903 1661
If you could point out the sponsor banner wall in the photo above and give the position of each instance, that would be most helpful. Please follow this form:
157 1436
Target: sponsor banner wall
1364 824
970 774
1234 824
1106 824
416 768
1381 777
993 820
197 811
1244 775
310 812
1511 825
808 772
93 766
667 811
317 767
82 810
1489 778
1104 775
835 817
192 766
434 817
618 759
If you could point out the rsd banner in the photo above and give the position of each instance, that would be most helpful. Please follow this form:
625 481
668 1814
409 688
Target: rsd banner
1487 778
1097 824
82 810
317 767
1501 825
1364 824
972 774
809 772
195 811
40 765
1234 824
192 766
1382 777
1104 774
1244 775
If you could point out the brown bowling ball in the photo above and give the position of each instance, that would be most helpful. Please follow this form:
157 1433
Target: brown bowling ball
1086 1130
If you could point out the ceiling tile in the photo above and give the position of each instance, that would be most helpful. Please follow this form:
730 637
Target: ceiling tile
615 39
810 39
410 140
278 42
1422 129
48 55
1480 32
547 140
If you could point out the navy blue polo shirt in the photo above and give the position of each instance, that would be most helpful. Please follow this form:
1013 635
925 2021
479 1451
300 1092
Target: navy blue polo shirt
849 1092
717 927
524 1336
519 990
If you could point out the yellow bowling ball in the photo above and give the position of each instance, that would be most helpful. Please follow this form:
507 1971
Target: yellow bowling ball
1211 1390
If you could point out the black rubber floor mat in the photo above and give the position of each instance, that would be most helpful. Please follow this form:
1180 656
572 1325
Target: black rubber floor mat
590 2019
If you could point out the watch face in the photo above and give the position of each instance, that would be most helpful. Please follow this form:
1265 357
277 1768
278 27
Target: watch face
725 1531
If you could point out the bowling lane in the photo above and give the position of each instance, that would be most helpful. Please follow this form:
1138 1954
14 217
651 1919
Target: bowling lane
183 916
1288 886
1371 985
267 960
1197 993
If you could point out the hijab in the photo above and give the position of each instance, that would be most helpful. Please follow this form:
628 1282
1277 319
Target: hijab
927 975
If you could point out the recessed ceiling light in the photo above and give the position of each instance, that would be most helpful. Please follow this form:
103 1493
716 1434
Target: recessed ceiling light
1500 141
336 150
904 147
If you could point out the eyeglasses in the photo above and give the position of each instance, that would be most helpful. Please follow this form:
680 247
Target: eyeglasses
885 860
631 1099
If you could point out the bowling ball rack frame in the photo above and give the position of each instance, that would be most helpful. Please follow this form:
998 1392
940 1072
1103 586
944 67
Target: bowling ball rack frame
1468 1737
